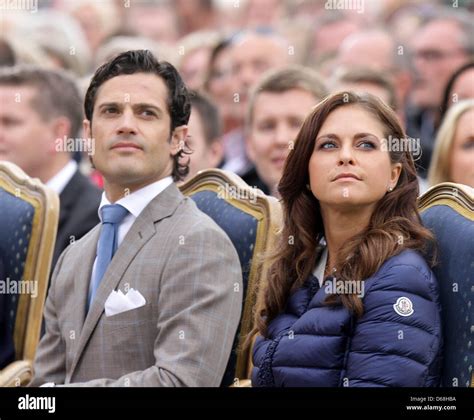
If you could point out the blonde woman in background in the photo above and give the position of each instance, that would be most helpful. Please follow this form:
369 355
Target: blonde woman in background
453 155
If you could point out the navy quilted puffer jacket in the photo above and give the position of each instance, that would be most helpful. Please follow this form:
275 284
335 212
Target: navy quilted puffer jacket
397 341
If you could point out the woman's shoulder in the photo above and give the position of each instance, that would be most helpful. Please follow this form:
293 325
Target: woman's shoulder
410 259
408 271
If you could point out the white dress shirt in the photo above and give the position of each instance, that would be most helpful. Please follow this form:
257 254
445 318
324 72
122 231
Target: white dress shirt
59 181
134 203
318 272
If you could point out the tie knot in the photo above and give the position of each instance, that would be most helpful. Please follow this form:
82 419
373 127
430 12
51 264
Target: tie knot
113 213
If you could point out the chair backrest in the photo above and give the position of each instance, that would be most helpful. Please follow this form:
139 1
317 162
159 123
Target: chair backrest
29 214
251 220
447 209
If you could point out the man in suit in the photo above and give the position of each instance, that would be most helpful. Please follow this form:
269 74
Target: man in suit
153 295
40 121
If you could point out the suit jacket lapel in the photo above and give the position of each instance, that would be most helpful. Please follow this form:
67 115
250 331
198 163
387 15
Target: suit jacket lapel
139 234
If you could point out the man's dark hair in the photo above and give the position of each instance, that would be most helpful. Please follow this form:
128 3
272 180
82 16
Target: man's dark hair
143 61
209 116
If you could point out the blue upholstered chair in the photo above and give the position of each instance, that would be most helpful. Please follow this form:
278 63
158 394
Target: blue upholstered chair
447 209
251 220
28 222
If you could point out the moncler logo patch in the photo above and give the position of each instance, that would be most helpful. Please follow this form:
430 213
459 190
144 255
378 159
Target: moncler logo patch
403 306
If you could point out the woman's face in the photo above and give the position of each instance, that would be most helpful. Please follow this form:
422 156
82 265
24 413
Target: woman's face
462 156
350 165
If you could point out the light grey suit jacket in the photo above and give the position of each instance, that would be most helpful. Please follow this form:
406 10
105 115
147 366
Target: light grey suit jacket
189 273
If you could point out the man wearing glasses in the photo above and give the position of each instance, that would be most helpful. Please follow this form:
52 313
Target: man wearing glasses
440 46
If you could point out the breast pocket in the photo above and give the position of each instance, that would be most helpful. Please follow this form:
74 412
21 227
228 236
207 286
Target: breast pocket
128 320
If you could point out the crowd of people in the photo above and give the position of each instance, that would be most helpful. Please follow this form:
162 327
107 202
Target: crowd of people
344 111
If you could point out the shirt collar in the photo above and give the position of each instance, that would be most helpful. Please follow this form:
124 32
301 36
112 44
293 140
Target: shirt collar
138 200
59 181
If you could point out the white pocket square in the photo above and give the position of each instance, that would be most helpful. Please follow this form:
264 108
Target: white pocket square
117 302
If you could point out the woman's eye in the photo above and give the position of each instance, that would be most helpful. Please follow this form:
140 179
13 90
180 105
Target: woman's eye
468 145
366 145
327 145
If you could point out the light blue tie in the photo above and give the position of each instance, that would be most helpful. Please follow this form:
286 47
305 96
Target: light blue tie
112 215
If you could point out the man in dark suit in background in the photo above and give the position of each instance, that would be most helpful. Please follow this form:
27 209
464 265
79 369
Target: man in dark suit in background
40 121
78 212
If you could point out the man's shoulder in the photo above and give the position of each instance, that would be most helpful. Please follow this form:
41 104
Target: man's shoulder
83 241
81 190
81 182
197 227
192 217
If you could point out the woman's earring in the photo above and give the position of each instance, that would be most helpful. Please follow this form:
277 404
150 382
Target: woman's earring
390 189
308 187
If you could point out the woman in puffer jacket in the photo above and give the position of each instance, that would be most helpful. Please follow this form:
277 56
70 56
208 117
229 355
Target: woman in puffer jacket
350 298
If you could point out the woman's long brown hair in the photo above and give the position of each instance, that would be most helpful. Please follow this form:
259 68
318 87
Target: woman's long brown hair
395 224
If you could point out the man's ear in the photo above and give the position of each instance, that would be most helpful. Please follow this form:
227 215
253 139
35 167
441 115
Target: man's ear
86 129
178 138
61 130
216 153
62 127
87 134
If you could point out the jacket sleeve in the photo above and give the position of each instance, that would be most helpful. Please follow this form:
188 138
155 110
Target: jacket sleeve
264 348
50 360
397 340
